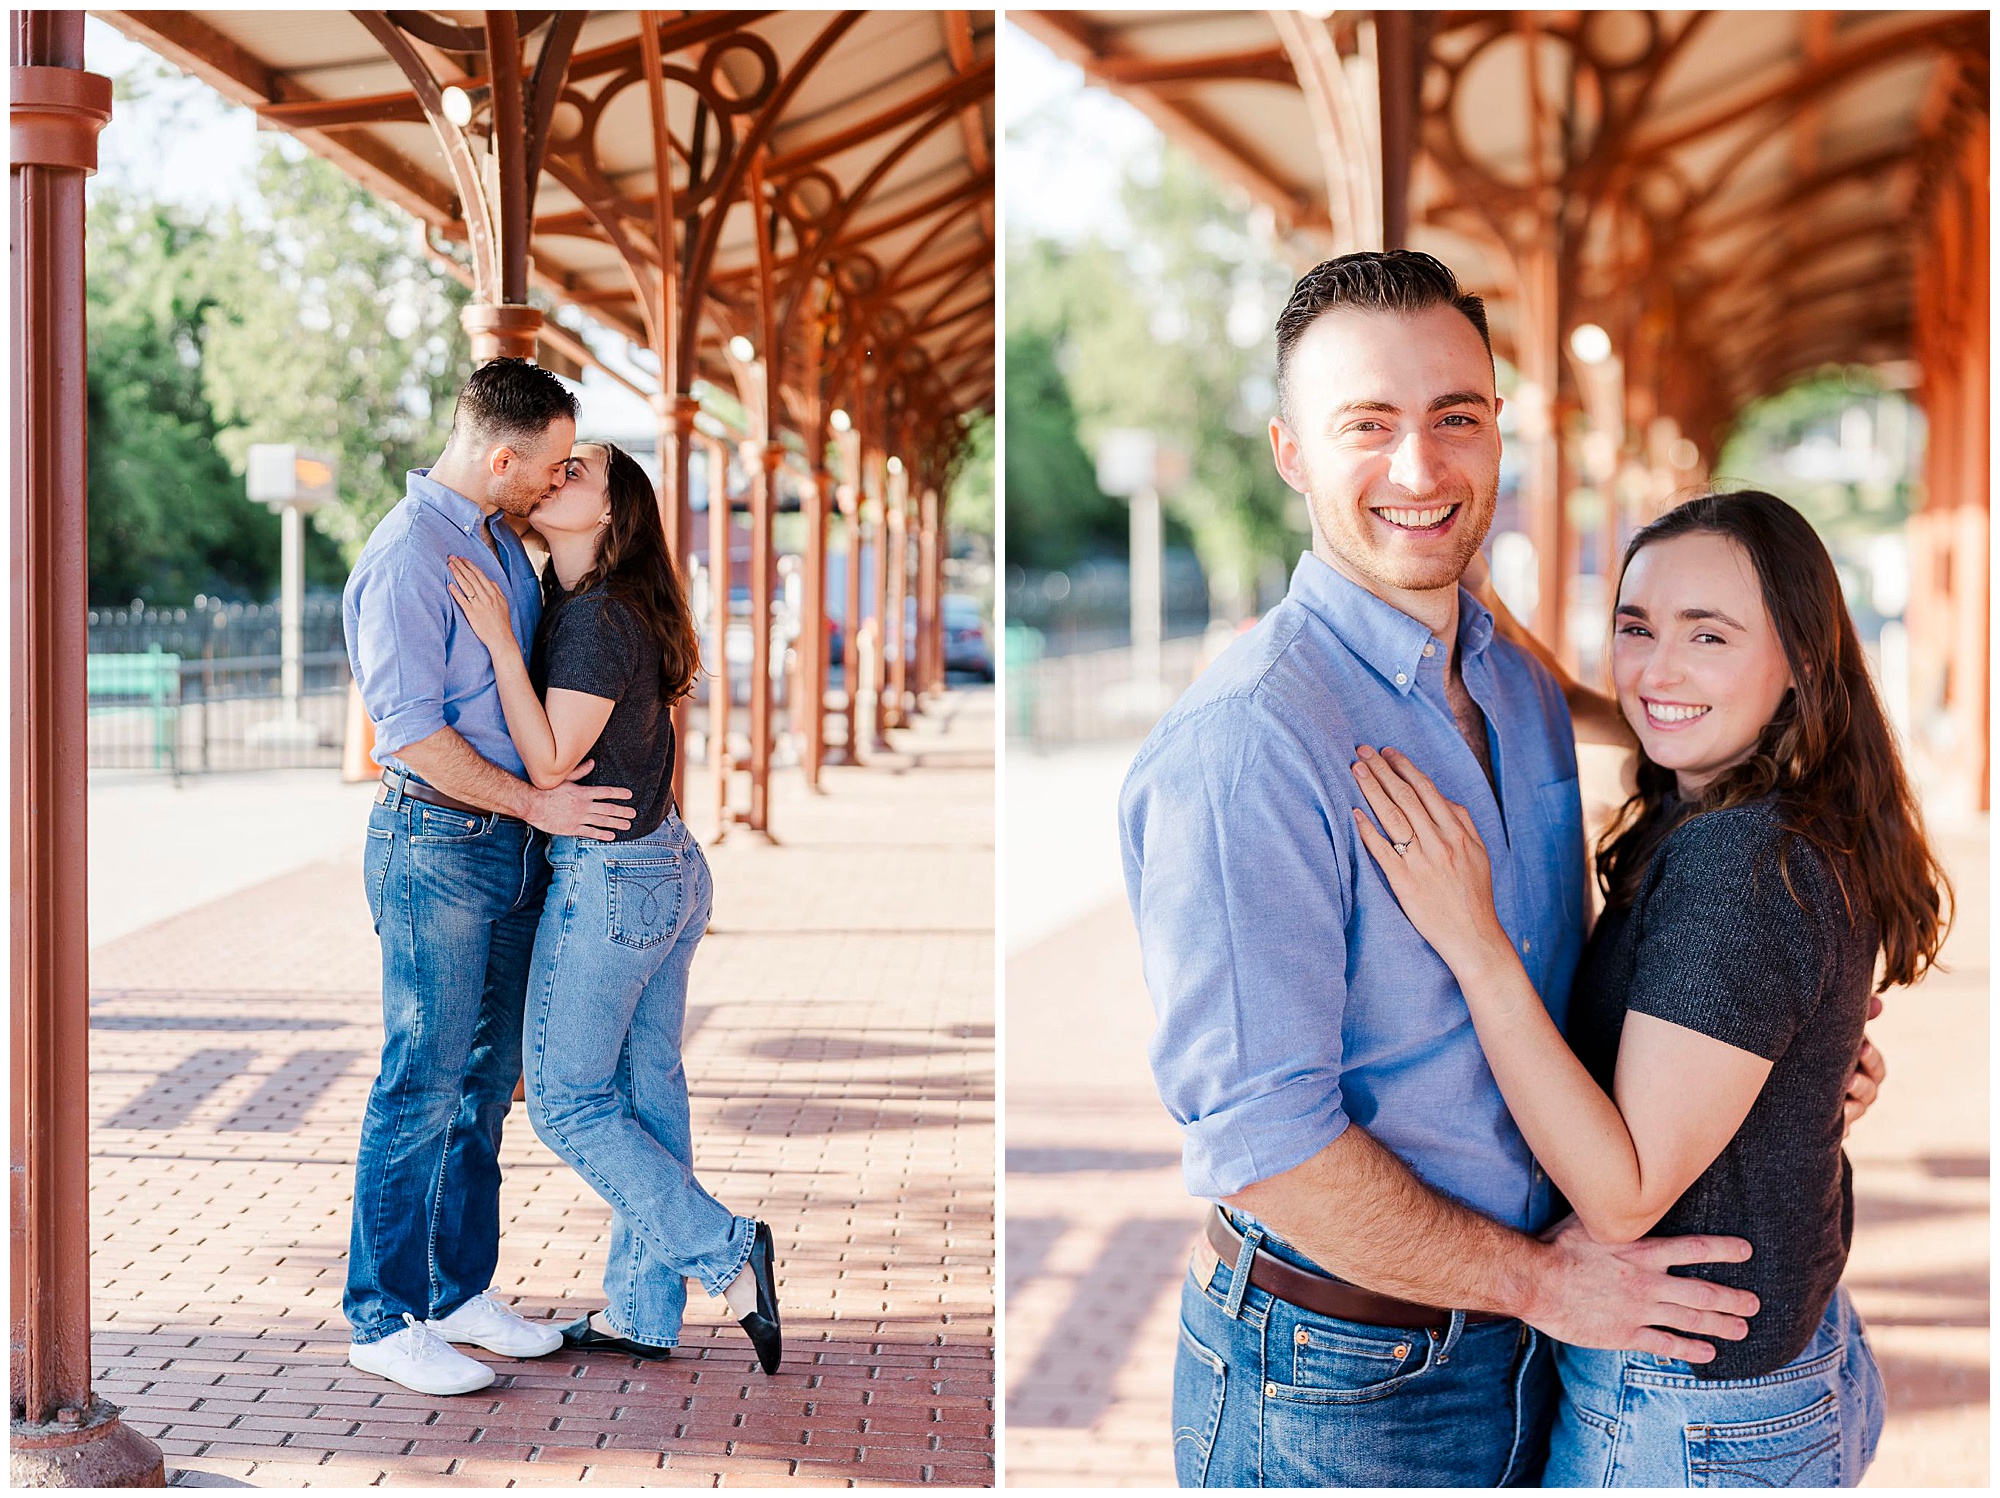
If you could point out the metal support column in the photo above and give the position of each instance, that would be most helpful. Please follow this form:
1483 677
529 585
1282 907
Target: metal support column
64 1436
766 458
897 528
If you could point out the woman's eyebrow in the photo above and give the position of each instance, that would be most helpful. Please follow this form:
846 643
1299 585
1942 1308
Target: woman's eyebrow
1715 614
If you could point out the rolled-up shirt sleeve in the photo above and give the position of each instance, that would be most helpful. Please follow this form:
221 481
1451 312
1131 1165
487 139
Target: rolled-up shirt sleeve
1241 902
399 618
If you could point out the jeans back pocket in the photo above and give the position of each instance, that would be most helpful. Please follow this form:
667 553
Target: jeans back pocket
1201 1381
1800 1450
644 898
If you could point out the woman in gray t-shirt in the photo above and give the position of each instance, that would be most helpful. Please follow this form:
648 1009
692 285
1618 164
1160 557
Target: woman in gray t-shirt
607 993
1772 857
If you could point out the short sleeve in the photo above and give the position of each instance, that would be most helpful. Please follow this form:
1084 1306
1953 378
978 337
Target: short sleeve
1241 904
398 611
1724 949
593 647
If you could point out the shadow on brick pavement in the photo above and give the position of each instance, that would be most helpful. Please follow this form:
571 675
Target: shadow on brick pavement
1099 1227
840 1052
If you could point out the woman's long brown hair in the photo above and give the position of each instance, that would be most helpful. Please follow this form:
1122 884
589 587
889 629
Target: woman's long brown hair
1827 752
634 565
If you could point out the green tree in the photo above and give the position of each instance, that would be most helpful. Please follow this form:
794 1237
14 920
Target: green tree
969 498
338 334
168 519
1055 514
1170 332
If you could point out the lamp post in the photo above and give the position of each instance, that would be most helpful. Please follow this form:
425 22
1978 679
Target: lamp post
294 484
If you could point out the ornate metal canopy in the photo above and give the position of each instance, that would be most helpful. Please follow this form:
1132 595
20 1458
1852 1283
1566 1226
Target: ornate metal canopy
1736 188
865 136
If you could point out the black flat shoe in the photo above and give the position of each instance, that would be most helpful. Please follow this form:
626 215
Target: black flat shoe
762 1323
587 1338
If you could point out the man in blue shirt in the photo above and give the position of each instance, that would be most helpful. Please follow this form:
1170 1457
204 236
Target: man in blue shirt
1373 1307
455 871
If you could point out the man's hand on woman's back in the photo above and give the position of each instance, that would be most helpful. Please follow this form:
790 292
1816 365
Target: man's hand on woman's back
571 810
1620 1296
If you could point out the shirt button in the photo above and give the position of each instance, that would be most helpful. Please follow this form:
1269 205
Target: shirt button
1527 944
1430 650
1401 679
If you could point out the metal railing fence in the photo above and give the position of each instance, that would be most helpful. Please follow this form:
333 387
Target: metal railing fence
201 688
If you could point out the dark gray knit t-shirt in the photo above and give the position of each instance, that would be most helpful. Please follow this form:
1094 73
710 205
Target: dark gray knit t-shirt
591 642
1714 941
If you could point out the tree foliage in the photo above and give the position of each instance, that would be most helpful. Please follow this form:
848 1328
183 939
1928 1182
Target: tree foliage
338 333
969 501
310 316
168 519
1171 332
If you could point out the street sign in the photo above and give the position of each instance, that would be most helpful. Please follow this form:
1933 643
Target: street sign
279 474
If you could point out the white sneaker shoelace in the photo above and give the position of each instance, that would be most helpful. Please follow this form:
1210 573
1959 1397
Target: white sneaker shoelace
428 1344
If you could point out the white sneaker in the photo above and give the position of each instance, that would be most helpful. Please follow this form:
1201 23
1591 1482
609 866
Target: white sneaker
418 1358
484 1322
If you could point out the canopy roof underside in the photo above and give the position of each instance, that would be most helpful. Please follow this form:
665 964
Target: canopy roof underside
918 245
1752 175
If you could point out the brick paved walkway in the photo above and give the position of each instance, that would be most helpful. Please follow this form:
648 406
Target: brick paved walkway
1099 1227
840 1047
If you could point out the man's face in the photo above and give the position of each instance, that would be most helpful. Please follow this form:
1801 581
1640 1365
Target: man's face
523 472
1394 439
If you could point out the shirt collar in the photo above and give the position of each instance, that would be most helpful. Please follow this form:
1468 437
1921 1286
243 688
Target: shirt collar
446 500
1389 640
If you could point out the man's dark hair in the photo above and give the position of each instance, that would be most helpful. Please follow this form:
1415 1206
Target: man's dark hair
509 399
1402 281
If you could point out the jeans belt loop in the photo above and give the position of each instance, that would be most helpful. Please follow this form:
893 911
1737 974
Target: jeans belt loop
1239 1277
396 791
1441 1350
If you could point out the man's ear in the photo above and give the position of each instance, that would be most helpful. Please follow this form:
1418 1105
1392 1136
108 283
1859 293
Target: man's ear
500 459
1287 458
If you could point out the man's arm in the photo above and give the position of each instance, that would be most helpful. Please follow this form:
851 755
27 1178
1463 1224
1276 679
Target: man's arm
456 768
1356 1209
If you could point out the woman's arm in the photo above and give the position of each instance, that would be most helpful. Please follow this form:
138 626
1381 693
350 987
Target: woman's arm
551 741
1679 1095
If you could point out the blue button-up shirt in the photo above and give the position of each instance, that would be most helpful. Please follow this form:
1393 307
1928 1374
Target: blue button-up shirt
1293 994
418 663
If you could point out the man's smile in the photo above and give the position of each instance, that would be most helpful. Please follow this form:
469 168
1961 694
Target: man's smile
1434 521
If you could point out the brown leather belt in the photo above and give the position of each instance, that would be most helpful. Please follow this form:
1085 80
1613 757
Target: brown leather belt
1324 1296
432 796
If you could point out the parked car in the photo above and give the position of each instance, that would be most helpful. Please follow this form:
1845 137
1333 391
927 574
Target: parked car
967 646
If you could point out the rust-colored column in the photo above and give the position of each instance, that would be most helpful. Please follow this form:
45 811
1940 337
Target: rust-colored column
850 658
875 481
721 573
501 332
897 528
766 458
1540 349
930 600
64 1436
674 417
809 714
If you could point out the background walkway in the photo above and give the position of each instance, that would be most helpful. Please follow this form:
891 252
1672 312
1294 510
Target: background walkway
840 1046
1099 1227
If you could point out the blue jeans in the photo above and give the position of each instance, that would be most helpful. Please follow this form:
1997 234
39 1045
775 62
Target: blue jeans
606 1088
455 897
1633 1420
1269 1395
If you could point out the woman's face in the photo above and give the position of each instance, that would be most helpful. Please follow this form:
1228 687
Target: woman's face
1696 659
581 506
